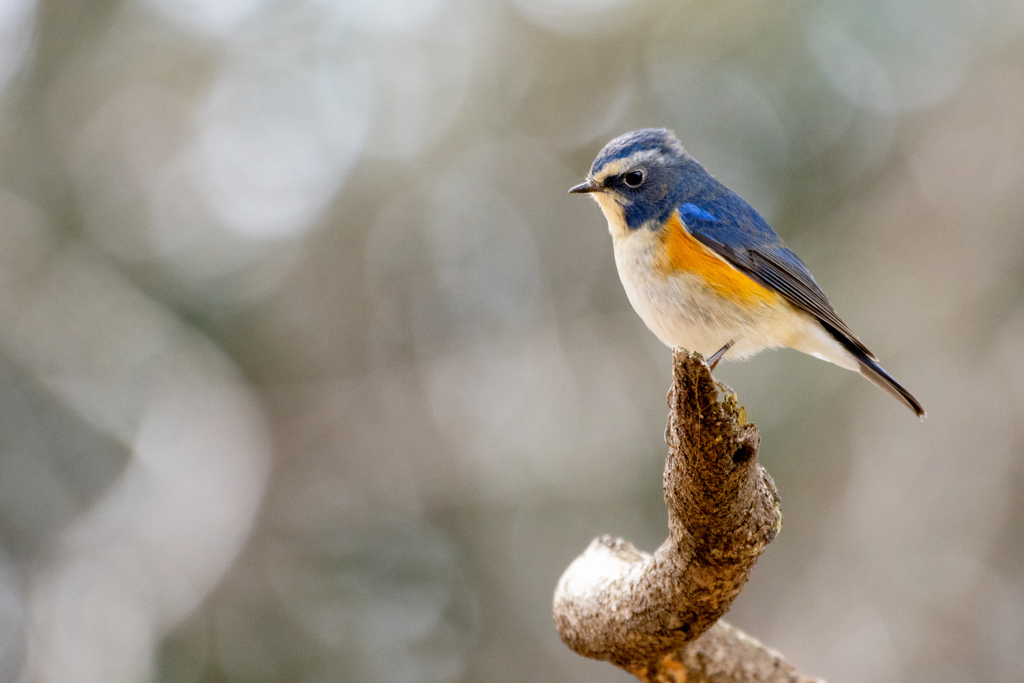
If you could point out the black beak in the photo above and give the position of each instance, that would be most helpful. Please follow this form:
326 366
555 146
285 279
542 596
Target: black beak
589 186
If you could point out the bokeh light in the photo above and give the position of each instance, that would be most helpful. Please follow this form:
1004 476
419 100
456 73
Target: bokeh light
312 370
17 20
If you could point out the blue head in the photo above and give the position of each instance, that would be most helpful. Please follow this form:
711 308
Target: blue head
641 177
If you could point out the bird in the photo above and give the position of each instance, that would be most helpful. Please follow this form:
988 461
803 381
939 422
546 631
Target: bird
703 269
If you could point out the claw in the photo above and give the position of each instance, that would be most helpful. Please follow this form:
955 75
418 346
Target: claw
725 388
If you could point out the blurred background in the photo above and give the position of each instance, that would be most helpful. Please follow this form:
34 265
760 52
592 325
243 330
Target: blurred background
312 371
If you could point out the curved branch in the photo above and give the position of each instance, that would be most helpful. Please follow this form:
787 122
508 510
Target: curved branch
641 611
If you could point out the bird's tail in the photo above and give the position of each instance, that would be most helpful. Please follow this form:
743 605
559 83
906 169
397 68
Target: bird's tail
877 374
870 368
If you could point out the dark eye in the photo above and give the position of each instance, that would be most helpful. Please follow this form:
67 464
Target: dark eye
634 178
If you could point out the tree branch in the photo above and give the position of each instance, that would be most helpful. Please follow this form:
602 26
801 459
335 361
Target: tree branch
651 614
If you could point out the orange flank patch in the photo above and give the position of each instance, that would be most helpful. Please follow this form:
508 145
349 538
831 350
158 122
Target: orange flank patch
682 253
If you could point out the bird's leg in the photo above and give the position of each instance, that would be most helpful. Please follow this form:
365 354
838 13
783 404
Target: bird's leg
712 361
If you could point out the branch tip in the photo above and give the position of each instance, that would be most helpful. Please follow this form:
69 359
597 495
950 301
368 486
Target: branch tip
657 615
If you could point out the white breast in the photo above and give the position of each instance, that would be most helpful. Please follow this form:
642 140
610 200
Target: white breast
683 310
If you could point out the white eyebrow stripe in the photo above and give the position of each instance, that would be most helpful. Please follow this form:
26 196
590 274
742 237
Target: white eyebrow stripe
619 165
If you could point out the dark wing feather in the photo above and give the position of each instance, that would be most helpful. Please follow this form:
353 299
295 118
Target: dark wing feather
730 227
779 269
727 225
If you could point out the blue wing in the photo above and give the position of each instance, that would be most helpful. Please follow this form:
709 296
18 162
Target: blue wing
730 227
725 223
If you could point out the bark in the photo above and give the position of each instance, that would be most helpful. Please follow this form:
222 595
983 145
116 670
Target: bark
655 615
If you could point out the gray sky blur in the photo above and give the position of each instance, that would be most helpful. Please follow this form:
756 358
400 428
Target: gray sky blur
313 371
